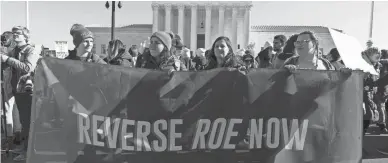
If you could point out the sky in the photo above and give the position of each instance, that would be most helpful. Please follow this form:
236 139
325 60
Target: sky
51 20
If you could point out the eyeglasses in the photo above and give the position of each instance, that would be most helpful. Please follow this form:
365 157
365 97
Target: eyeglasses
302 41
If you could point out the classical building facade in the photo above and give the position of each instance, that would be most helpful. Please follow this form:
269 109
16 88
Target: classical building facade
200 23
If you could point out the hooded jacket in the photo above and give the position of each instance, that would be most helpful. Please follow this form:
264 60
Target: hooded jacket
124 59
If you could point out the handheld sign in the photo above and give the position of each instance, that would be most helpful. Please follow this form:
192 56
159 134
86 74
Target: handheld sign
350 51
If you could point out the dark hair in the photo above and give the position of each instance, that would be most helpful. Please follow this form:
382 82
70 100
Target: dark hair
228 43
282 38
263 55
5 37
334 54
290 46
384 53
118 46
314 39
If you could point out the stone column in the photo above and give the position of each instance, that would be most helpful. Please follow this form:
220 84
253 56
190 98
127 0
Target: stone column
221 18
234 27
155 25
168 17
193 36
181 15
208 24
247 25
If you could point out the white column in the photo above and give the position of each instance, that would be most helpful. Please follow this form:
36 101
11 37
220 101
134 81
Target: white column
234 27
168 17
221 18
208 25
247 25
193 36
181 9
155 25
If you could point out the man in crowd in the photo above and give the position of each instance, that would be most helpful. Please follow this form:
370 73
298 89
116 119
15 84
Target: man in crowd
136 56
278 45
22 61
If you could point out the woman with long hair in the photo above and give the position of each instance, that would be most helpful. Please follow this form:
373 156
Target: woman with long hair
117 55
221 55
307 54
160 57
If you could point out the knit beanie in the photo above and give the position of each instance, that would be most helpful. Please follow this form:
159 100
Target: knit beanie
79 33
164 37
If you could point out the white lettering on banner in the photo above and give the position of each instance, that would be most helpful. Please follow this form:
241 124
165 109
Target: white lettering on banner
272 133
208 134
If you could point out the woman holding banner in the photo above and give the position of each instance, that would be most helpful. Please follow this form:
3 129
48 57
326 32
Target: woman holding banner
160 57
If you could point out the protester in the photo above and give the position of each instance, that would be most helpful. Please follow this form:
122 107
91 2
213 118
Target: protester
83 40
160 56
308 57
186 60
22 60
12 124
117 54
136 55
278 44
384 62
335 59
221 55
249 60
372 57
288 51
307 54
200 59
264 58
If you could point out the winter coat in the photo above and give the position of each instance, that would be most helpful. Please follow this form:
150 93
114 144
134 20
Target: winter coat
124 59
94 58
231 61
189 64
170 63
22 62
199 62
370 89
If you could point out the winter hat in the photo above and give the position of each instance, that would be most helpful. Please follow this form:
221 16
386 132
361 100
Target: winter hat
164 37
79 33
200 51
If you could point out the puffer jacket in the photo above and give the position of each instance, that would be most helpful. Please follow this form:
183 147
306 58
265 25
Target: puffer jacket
124 59
170 63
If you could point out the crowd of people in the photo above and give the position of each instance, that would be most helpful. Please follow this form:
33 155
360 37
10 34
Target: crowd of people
166 52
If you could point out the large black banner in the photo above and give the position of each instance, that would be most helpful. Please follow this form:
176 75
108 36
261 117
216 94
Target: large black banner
84 112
